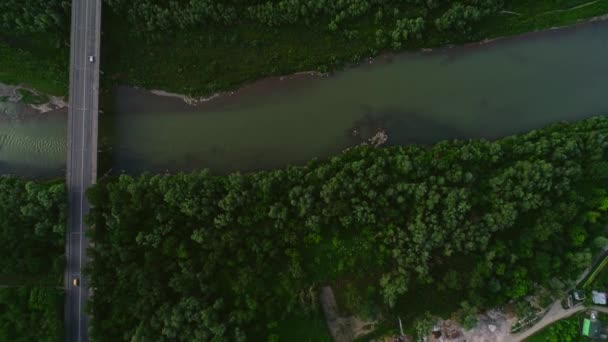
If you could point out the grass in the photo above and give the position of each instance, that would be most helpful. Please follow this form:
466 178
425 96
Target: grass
219 58
30 97
568 329
560 330
36 62
592 276
300 327
537 15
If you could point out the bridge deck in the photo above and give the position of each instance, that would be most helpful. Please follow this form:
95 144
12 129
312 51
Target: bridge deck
82 155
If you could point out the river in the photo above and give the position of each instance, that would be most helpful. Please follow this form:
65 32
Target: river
475 91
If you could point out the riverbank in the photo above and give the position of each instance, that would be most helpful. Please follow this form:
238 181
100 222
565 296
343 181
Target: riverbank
417 98
215 59
202 62
263 86
385 189
35 61
18 102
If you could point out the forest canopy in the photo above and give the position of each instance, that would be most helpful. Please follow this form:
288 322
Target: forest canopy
200 257
31 314
33 16
200 47
408 19
32 228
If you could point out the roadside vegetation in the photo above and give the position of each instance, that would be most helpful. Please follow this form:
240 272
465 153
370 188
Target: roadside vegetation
203 46
32 225
592 277
565 330
399 231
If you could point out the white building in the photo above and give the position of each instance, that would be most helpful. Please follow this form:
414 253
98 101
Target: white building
598 297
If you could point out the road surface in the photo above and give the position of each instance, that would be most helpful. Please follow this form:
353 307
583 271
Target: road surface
82 155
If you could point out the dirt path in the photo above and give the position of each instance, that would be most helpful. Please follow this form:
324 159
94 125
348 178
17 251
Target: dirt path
571 8
554 11
555 314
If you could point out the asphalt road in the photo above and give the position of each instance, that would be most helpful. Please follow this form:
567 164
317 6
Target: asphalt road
82 155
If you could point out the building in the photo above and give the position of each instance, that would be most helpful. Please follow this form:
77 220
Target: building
598 298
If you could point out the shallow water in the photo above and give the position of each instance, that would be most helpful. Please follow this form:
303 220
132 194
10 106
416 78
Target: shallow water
476 91
34 147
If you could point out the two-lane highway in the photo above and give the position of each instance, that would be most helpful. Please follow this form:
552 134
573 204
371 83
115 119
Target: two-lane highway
82 155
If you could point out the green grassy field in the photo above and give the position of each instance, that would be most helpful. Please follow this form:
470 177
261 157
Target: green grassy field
35 61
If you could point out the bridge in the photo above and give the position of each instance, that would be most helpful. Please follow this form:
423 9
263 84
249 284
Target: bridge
82 156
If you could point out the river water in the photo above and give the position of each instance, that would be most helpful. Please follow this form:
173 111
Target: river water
474 91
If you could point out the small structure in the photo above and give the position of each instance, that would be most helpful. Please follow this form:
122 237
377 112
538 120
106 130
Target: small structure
598 298
586 326
592 328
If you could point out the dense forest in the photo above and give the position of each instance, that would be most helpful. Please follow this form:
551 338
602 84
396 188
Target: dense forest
34 16
31 314
32 227
410 17
202 257
149 15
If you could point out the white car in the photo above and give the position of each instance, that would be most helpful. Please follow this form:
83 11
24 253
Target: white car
91 59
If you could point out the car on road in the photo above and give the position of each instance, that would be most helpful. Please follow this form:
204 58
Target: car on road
91 59
75 282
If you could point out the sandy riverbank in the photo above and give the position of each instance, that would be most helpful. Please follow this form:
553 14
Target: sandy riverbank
387 57
12 105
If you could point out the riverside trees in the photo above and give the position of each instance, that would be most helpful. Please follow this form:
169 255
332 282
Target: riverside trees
195 256
199 47
32 227
333 15
33 16
39 16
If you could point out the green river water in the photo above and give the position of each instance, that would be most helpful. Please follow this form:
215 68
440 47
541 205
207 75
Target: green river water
474 91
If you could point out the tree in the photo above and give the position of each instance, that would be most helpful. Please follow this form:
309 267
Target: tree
32 16
197 256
